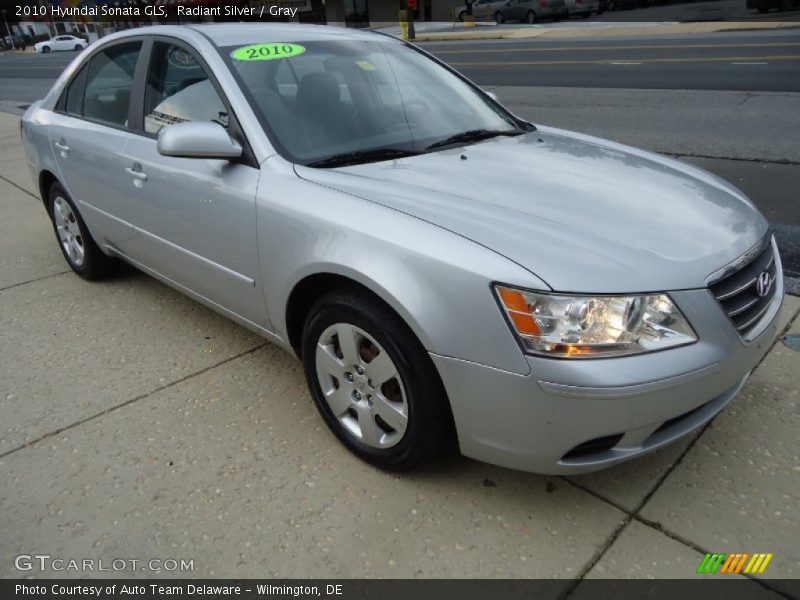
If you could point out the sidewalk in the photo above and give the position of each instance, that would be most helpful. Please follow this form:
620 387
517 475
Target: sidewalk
136 423
596 30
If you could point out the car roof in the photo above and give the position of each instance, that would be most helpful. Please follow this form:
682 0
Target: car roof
243 34
228 34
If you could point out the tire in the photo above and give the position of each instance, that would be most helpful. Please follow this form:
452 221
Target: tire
45 49
531 17
417 424
499 18
78 47
762 9
461 15
586 15
76 243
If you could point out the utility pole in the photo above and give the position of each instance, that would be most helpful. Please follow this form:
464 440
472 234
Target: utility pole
8 29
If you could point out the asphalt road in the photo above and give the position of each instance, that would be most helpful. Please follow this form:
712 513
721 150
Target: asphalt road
727 61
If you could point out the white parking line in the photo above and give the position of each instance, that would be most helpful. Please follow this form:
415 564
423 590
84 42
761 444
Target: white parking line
749 63
624 63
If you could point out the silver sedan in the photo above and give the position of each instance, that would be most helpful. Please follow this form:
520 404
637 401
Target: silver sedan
448 273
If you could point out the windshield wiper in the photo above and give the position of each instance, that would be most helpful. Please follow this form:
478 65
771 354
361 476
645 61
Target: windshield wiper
474 135
362 156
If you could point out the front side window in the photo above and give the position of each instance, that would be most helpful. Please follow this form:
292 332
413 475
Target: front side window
109 81
344 97
178 89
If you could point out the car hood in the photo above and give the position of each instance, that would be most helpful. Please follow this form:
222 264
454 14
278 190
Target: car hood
581 213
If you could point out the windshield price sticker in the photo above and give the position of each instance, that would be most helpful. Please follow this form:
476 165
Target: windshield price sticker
267 51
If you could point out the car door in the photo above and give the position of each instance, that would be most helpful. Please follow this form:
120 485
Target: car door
61 43
196 216
513 11
88 132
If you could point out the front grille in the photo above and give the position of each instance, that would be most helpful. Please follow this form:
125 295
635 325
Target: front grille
738 295
675 420
594 446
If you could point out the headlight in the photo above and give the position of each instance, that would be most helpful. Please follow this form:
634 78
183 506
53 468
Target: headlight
594 326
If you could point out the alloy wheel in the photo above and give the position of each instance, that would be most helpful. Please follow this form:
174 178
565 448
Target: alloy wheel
69 232
362 386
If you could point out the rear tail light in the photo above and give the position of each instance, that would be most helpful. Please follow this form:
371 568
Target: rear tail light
543 4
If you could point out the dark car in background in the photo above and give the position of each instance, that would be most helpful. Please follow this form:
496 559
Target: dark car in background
763 6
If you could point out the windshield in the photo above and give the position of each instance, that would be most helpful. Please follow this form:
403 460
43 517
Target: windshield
360 100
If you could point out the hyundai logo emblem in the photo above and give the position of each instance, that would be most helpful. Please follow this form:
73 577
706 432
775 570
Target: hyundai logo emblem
763 284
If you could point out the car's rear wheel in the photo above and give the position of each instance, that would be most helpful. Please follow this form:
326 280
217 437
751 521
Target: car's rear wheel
531 17
499 18
76 243
373 382
78 47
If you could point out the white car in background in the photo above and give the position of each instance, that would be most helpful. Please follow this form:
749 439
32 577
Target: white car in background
61 42
583 8
481 9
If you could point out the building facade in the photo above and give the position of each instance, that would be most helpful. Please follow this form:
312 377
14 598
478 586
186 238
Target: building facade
343 13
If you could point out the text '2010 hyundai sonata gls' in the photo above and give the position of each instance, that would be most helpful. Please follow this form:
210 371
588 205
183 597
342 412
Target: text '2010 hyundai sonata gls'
445 270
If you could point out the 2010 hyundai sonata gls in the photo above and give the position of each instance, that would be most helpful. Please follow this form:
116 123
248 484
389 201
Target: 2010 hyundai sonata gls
558 302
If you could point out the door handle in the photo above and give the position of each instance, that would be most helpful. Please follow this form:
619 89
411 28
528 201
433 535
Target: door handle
136 174
61 146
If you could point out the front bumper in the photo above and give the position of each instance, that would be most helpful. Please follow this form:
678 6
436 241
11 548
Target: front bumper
575 416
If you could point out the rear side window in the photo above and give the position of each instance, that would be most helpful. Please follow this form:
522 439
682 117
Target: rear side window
73 105
178 89
109 82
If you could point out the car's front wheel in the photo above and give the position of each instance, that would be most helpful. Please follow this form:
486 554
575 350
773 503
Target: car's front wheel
531 17
78 47
373 382
499 18
45 49
76 243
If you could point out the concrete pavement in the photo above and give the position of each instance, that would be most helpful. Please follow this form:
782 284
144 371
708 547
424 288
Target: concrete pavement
137 423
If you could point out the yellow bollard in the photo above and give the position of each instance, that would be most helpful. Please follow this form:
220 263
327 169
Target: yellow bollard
469 20
404 24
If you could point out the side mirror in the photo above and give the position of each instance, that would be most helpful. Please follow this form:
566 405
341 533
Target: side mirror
197 139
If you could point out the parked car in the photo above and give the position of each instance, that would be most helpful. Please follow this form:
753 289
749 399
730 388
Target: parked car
446 271
485 10
583 8
477 8
530 11
61 42
763 6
